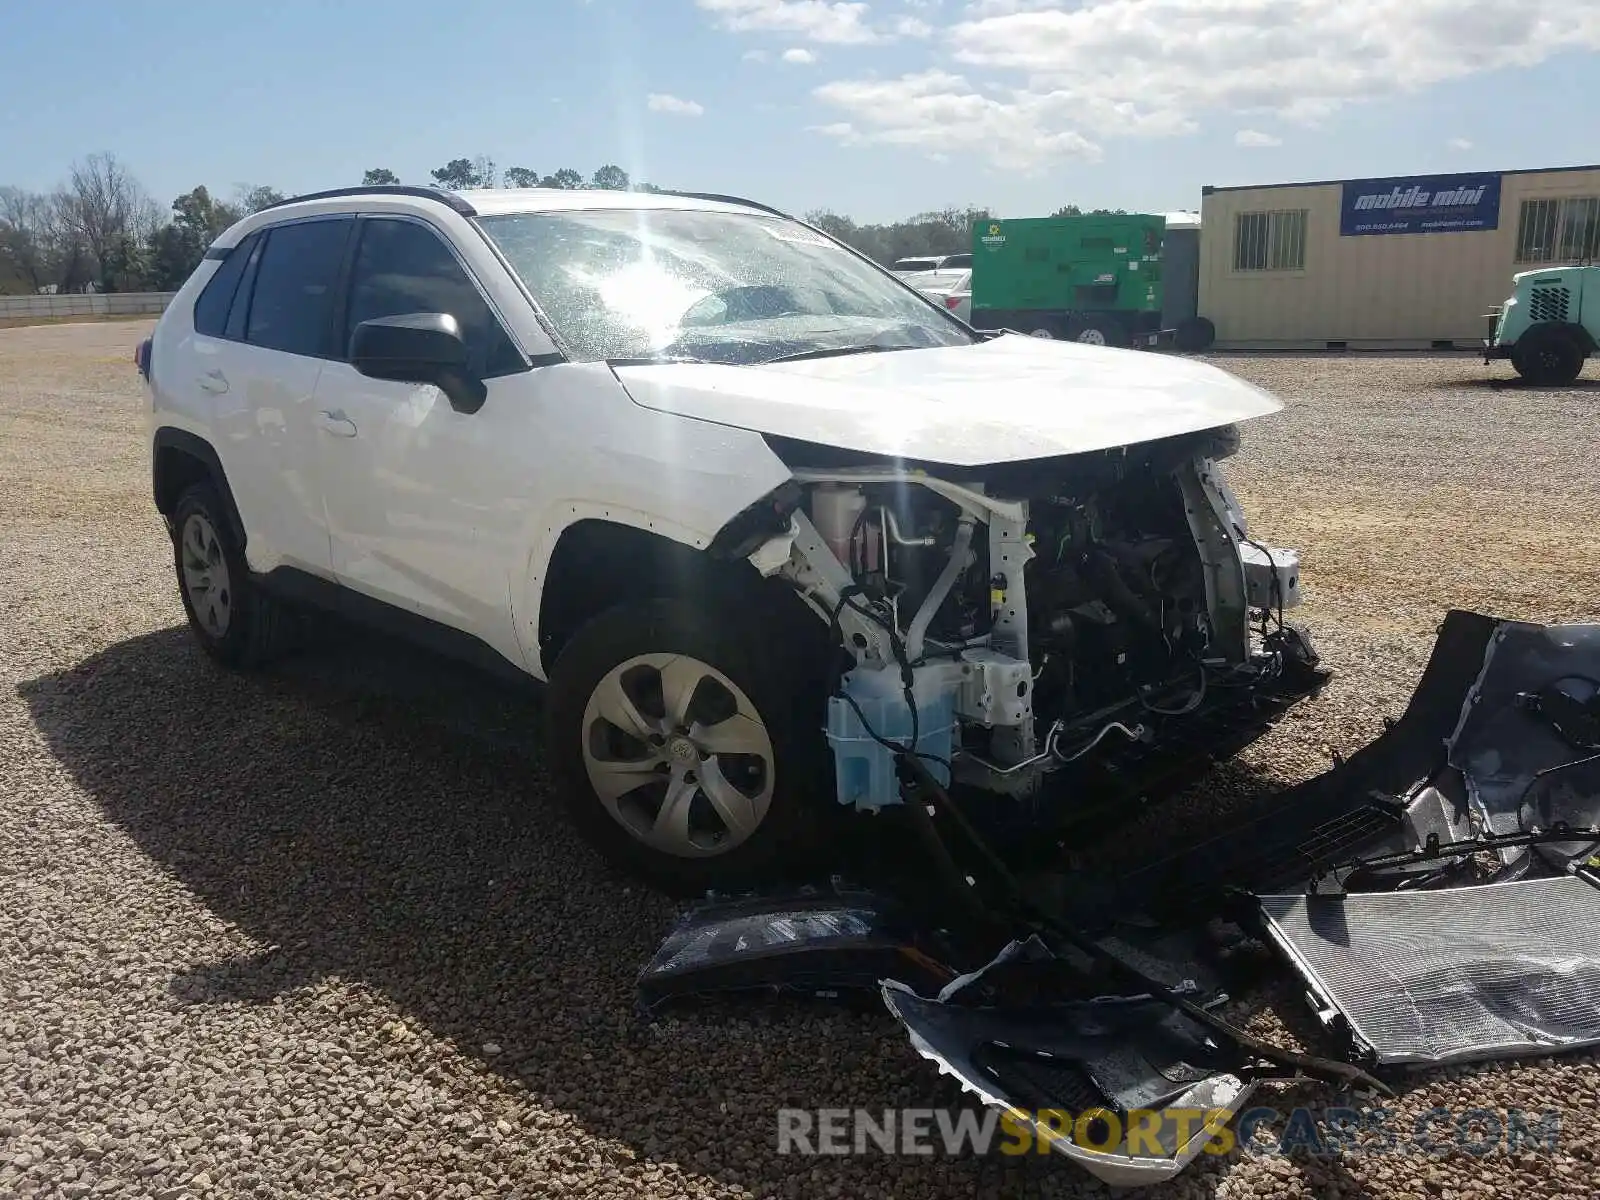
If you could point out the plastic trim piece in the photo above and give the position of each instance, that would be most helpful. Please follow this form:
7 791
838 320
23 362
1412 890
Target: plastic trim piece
717 198
451 199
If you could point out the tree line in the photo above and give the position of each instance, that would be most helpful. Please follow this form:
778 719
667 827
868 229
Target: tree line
99 230
944 231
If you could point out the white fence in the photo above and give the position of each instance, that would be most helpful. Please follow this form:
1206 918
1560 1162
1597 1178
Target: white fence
93 304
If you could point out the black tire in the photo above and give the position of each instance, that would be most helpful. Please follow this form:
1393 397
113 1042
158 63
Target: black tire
1041 327
1096 331
790 708
253 632
1194 335
1548 356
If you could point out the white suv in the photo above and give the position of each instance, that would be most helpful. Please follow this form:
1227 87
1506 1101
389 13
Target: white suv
763 517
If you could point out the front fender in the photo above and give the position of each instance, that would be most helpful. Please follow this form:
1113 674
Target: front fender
676 477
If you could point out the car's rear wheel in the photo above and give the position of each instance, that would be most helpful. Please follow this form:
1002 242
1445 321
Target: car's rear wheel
685 755
233 620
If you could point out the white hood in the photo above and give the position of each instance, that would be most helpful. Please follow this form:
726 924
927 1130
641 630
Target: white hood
1004 400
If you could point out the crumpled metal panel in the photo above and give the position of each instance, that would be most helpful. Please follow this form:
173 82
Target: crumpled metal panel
1500 747
1443 976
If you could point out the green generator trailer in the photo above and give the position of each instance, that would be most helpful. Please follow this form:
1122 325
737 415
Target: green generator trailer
1105 279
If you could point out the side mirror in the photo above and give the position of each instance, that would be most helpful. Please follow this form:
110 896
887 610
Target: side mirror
419 348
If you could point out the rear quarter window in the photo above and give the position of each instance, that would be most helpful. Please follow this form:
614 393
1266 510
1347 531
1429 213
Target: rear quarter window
211 306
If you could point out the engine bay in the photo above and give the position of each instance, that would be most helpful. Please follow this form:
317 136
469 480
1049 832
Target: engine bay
1004 622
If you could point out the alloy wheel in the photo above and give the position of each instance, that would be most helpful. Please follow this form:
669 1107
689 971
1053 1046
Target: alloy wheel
205 575
678 755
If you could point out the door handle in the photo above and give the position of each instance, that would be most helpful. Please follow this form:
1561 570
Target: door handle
336 423
214 382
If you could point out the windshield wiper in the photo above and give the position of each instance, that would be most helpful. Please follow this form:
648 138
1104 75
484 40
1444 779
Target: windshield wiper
836 352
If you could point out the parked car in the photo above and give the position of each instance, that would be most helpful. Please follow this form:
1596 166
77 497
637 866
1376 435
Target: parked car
722 483
953 292
931 263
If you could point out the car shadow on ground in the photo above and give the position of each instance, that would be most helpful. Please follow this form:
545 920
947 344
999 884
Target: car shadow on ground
371 813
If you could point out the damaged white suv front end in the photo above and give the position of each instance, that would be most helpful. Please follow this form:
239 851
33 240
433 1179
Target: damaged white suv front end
1021 560
1028 551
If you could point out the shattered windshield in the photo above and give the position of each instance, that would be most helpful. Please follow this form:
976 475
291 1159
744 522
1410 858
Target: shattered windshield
710 286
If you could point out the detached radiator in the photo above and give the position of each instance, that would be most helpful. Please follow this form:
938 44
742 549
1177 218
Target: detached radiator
1441 976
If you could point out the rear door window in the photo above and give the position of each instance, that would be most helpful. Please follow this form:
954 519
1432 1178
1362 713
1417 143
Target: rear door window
295 281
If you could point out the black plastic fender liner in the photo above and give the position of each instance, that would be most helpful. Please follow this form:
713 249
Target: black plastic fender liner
808 942
1511 728
1329 818
168 441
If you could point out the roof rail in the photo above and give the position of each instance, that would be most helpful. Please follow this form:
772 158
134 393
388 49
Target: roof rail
386 189
716 198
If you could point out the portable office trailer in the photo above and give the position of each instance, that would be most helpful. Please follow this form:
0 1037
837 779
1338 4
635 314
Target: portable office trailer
1403 262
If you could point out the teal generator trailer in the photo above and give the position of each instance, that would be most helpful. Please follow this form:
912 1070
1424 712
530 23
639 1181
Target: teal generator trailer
1549 326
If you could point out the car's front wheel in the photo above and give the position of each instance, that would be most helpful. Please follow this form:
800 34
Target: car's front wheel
684 754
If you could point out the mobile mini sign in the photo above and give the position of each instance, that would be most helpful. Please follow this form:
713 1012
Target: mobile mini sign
1420 204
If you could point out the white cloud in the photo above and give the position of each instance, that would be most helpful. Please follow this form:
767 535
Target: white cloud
835 21
800 55
1000 8
1459 144
662 102
912 27
1299 59
1063 75
938 113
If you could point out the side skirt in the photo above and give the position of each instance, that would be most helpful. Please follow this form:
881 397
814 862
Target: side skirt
296 587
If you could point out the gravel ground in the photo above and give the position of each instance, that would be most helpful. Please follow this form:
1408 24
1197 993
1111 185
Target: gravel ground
320 932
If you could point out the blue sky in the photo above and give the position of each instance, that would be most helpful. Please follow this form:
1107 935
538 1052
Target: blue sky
876 110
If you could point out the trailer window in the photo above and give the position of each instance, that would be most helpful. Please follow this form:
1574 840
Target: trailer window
1559 230
1270 241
